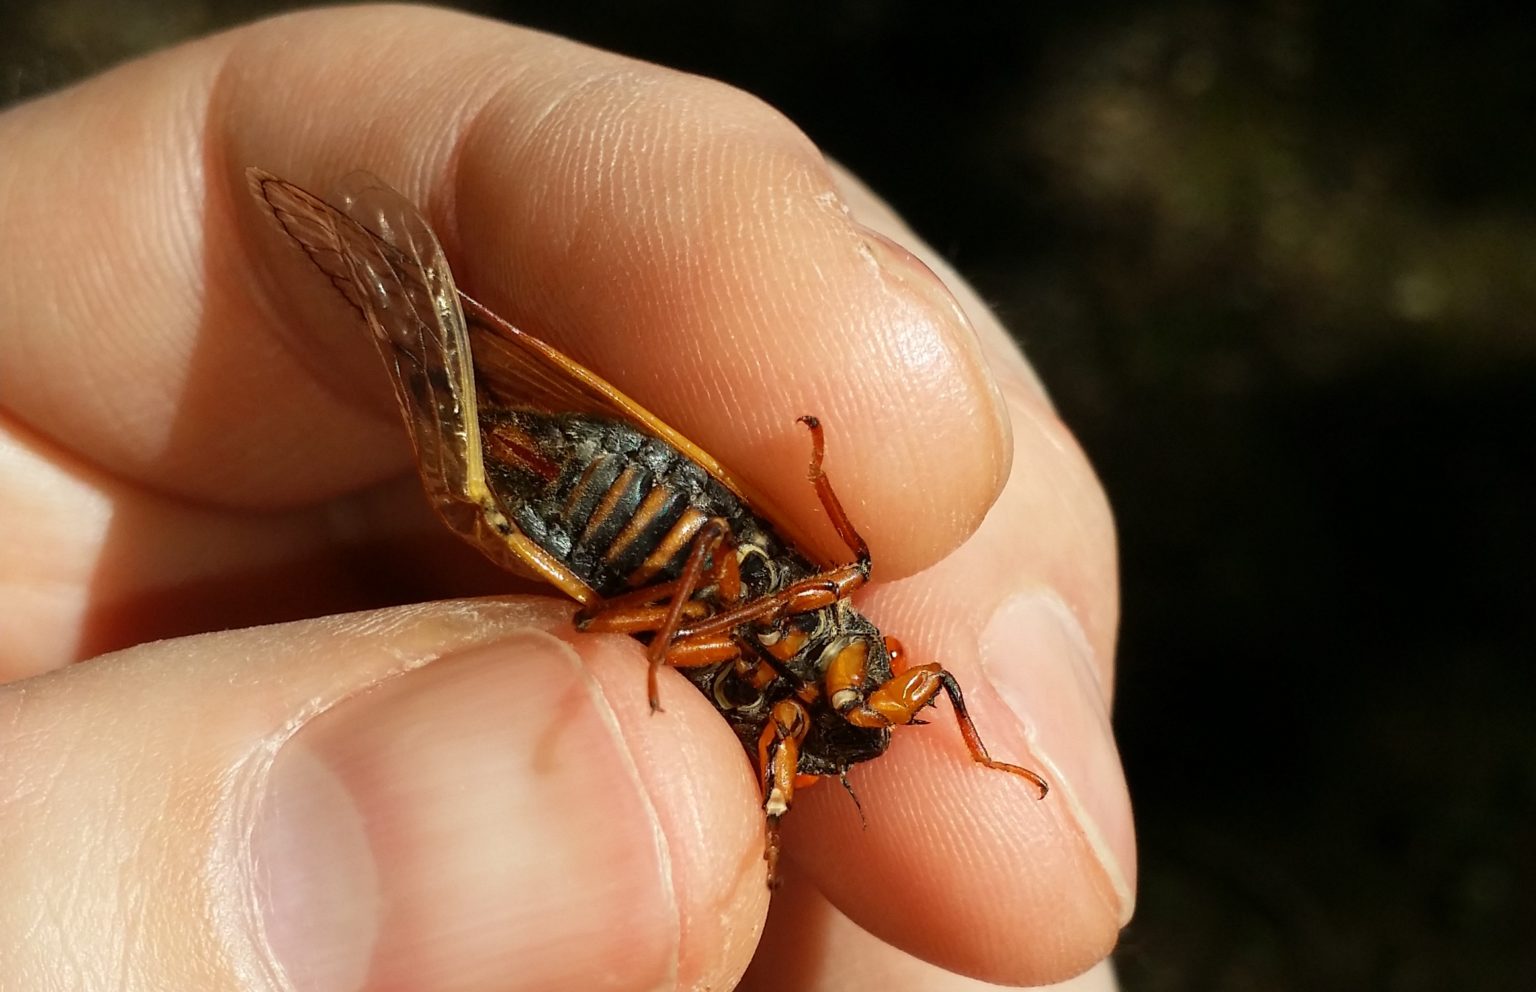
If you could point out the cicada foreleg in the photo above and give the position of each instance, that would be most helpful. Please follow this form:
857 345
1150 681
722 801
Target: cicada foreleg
898 700
639 612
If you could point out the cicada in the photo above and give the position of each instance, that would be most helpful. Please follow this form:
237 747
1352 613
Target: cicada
554 473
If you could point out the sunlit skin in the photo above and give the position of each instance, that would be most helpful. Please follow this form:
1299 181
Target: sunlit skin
208 473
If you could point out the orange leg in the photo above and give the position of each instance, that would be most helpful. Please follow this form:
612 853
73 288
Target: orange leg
660 592
815 593
818 591
711 539
778 761
829 500
700 651
899 700
663 607
637 619
639 611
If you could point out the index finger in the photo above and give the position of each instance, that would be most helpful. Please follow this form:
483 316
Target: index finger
676 235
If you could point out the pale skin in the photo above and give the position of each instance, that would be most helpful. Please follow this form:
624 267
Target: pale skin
194 437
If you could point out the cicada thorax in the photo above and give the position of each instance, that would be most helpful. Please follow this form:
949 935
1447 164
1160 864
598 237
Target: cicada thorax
802 648
621 508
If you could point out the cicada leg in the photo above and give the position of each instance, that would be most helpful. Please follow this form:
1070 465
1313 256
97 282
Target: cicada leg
711 555
664 607
821 590
815 593
778 762
828 496
897 701
642 611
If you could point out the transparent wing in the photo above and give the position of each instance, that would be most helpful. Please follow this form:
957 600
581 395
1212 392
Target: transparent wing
509 367
446 353
515 369
382 256
408 297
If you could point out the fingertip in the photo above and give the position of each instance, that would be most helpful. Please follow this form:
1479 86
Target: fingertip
959 865
512 809
810 946
958 860
700 784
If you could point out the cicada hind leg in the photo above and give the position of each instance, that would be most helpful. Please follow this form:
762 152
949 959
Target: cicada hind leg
686 632
662 608
817 592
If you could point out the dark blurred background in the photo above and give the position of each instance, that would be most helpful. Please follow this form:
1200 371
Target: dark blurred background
1277 262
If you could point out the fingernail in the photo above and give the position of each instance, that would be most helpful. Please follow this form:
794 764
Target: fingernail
472 820
1036 655
911 276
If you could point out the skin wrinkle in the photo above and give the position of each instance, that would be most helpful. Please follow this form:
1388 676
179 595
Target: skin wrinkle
72 907
647 234
182 227
233 904
236 903
600 162
662 842
1089 516
1121 894
176 224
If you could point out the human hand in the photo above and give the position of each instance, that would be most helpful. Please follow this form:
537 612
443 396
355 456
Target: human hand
468 795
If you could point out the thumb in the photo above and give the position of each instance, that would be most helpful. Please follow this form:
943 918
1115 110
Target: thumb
446 796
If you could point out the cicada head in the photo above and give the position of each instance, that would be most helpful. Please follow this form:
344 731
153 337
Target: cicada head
851 644
834 745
